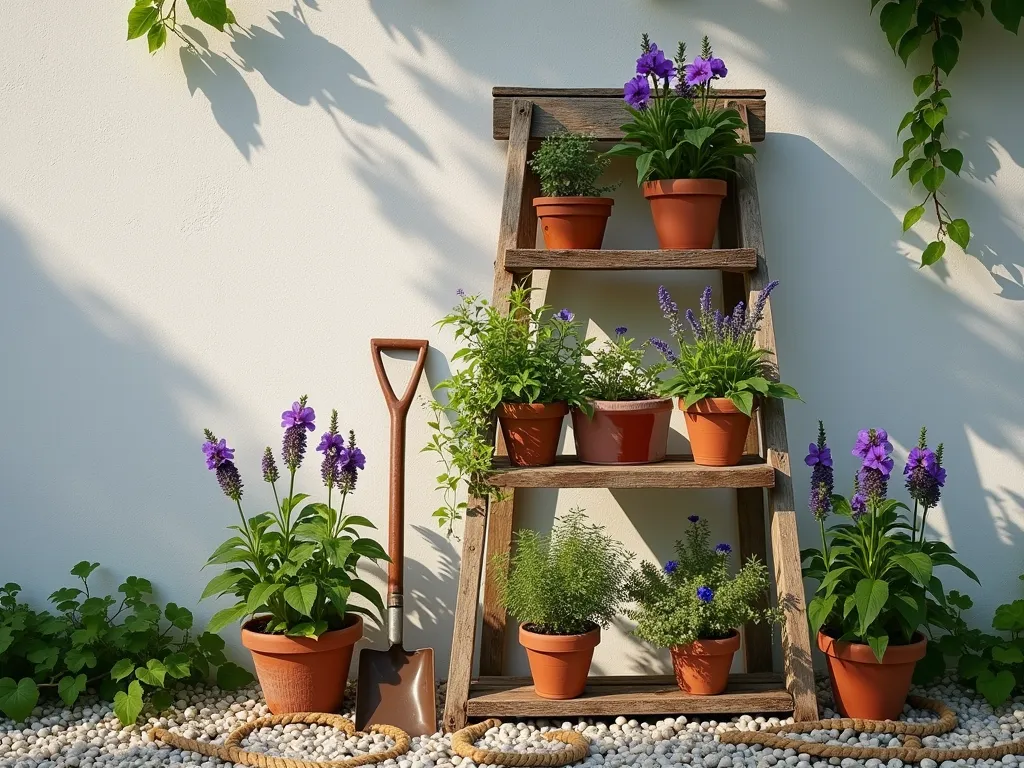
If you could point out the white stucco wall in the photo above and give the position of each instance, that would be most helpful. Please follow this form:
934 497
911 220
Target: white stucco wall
190 242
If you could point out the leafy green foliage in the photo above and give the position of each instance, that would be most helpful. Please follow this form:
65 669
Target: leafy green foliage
669 609
155 18
568 166
126 646
617 372
565 582
526 355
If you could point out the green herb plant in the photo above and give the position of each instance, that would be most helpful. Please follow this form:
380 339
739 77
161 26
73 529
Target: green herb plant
128 648
525 355
617 372
694 597
155 18
566 582
568 166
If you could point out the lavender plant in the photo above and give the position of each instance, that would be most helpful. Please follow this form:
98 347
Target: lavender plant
722 359
297 568
694 597
876 573
678 130
617 371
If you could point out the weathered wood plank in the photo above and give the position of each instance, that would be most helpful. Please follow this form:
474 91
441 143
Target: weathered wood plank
781 504
640 695
734 260
499 540
599 112
674 472
527 92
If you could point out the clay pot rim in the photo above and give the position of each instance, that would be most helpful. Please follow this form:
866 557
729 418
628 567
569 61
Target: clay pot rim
261 642
533 410
573 200
645 405
727 645
861 652
713 405
677 187
558 643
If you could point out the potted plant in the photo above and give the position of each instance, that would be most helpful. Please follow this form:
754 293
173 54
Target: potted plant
626 421
293 570
562 588
695 608
877 589
683 142
526 366
573 212
720 374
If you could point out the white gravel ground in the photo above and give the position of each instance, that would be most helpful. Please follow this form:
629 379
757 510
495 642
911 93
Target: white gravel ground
89 735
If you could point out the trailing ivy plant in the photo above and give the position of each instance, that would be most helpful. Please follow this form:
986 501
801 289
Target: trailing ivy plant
155 18
927 155
130 649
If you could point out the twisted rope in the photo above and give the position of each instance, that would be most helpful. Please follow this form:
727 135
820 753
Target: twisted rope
911 751
462 744
232 751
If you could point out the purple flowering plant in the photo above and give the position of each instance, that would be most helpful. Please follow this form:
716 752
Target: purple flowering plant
296 566
718 353
875 569
693 596
678 129
616 371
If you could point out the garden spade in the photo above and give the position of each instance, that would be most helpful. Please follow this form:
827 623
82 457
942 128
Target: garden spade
396 686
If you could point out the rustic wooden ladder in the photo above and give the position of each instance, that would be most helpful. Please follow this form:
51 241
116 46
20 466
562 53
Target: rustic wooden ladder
524 116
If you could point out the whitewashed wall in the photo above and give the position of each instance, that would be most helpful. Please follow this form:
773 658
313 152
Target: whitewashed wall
195 241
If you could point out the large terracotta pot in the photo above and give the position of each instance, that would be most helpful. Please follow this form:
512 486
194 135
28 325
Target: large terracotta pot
573 222
702 667
559 663
717 430
685 211
531 431
866 688
299 674
622 432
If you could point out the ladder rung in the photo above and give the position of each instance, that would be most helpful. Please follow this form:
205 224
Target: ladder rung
726 260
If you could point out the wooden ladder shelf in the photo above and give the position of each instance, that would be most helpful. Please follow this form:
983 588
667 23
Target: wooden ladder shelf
762 481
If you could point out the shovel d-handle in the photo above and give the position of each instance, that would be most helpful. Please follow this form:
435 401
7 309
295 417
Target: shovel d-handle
399 409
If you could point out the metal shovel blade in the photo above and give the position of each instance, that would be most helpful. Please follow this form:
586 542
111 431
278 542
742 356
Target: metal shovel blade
396 687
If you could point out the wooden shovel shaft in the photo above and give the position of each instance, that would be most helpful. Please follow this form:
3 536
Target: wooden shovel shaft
398 408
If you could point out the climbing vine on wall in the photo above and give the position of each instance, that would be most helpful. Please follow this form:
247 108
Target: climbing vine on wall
927 154
155 18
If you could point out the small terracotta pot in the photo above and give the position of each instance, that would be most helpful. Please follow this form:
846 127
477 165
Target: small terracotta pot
685 211
559 663
622 432
717 430
866 688
299 674
531 431
702 667
573 222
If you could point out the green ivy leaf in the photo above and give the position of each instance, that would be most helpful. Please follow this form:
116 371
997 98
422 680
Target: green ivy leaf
913 216
69 688
898 165
122 669
933 253
935 115
213 12
946 53
895 19
1009 618
959 232
996 688
970 666
179 617
177 665
156 37
909 43
153 673
934 177
952 159
77 658
918 168
921 84
231 677
128 704
1007 654
140 19
1008 13
18 699
84 569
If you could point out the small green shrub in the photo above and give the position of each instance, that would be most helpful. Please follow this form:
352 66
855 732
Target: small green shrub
566 582
127 647
617 371
568 166
694 597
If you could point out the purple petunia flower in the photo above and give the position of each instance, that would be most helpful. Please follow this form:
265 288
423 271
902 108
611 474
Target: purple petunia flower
723 549
217 452
671 566
299 415
329 441
350 462
705 594
663 347
565 315
816 455
621 330
925 474
637 92
331 446
229 479
693 519
654 63
718 68
699 72
867 438
878 458
270 473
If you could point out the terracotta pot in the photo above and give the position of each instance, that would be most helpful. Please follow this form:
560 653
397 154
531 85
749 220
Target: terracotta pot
531 431
866 688
622 432
573 222
717 430
299 674
685 211
702 667
559 663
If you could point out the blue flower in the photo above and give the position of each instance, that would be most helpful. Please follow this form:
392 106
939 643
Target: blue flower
705 594
565 315
693 519
723 549
671 566
621 330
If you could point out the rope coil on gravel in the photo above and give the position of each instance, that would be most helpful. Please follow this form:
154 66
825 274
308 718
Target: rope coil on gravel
911 751
462 745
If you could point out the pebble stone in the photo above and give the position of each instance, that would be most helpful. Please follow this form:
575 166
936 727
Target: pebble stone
89 736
